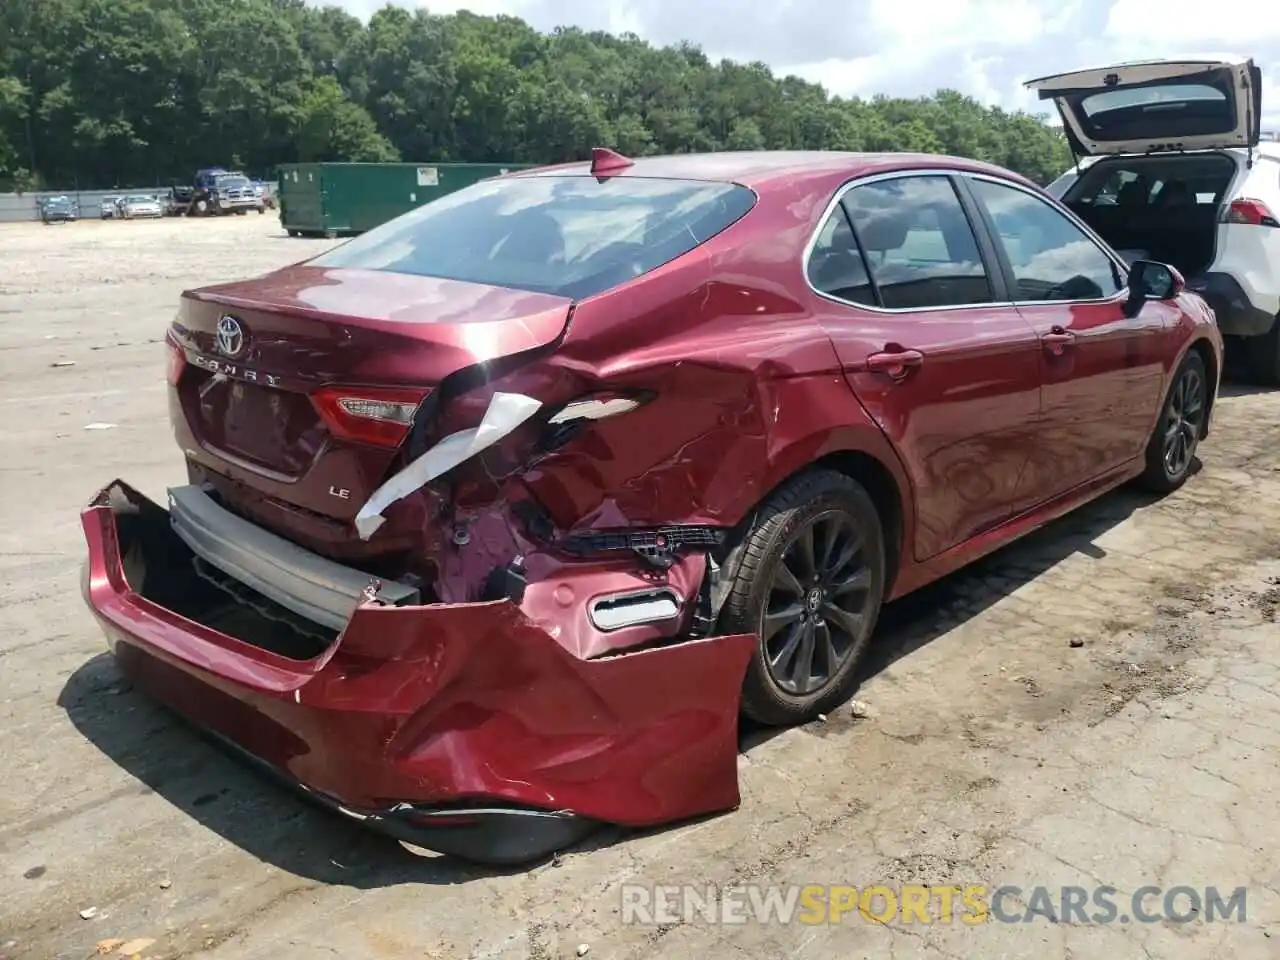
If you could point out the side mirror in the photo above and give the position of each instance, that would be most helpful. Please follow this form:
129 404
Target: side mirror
1149 280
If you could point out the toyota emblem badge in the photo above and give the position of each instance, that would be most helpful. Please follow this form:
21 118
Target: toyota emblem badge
229 338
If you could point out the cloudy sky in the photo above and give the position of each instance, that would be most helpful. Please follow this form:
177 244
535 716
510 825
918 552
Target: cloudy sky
910 47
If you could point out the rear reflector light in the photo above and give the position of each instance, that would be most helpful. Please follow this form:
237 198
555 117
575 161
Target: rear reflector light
380 416
177 362
596 406
1253 212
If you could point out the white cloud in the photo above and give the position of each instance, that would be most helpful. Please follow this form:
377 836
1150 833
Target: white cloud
985 48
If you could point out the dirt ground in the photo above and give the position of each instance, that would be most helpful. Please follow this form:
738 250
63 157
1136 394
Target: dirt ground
1097 705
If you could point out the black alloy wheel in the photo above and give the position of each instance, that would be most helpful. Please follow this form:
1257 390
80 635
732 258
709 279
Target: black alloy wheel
1183 418
807 578
817 604
1171 450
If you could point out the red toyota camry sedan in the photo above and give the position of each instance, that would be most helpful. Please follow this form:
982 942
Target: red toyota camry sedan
500 515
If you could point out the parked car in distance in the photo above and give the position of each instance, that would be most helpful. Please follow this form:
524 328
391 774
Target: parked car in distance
109 208
139 205
59 209
234 193
1210 208
498 515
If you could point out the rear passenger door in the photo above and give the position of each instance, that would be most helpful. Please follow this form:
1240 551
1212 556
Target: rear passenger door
1103 371
914 302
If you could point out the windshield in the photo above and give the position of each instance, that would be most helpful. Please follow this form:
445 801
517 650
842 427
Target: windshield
232 183
571 236
140 199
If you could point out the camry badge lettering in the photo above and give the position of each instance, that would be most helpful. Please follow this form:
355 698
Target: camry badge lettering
342 493
233 371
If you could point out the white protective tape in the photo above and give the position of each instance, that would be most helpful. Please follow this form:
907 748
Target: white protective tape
506 412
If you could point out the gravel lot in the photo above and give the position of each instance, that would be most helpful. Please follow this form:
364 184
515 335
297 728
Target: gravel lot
996 752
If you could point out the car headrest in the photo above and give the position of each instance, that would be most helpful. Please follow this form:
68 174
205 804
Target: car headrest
882 230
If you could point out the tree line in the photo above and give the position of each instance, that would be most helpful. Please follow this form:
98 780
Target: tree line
103 93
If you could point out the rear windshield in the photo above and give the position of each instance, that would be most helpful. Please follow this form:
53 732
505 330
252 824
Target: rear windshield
1173 109
571 236
1169 96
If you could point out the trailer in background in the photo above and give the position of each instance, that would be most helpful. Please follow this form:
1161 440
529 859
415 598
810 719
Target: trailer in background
344 199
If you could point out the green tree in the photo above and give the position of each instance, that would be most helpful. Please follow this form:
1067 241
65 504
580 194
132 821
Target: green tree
105 92
334 128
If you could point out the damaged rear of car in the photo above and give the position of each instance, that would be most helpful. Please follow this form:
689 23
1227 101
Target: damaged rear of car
417 569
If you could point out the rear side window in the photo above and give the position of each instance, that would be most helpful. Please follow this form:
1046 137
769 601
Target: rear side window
836 266
571 236
919 245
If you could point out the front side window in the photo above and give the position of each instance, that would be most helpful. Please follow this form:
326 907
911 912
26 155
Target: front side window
572 236
1052 258
919 245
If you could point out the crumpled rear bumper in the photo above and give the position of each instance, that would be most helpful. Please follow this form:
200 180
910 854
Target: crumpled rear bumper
464 728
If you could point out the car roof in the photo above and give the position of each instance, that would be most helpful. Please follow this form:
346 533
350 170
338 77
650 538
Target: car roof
758 168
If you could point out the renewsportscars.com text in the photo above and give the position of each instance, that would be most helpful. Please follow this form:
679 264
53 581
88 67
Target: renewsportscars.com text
970 904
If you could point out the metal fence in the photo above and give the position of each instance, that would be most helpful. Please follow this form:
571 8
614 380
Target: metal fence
19 207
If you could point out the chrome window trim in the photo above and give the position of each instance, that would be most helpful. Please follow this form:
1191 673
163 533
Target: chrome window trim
949 172
1084 228
830 208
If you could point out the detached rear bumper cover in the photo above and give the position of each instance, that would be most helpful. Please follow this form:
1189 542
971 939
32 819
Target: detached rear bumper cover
422 708
309 585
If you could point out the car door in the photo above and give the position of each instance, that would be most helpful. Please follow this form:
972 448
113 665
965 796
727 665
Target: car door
1103 370
914 303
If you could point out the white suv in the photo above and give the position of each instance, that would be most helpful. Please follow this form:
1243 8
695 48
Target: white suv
1178 174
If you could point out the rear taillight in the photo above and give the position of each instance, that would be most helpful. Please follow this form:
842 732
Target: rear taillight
177 362
380 416
1253 212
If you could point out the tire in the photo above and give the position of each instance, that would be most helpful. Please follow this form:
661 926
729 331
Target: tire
1171 451
1262 356
771 564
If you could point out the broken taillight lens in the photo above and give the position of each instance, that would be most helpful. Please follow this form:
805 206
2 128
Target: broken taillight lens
379 416
177 361
1253 212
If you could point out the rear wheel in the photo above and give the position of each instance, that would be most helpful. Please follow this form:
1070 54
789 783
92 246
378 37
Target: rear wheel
1171 451
810 582
1262 356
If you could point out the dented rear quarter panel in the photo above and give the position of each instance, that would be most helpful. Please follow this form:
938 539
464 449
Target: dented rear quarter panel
747 386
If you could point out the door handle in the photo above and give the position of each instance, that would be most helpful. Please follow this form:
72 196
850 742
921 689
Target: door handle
896 364
1057 340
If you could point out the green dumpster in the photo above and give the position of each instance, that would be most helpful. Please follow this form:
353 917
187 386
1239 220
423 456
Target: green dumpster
343 199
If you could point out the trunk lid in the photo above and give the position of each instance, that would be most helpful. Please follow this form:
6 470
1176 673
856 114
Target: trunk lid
1157 105
250 357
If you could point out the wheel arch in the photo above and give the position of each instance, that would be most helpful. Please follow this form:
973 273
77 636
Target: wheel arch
880 473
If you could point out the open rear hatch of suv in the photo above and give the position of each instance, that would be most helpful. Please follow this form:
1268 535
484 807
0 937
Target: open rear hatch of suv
1158 140
1157 106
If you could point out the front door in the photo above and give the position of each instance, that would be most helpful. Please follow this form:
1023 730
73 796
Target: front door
1103 371
911 299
